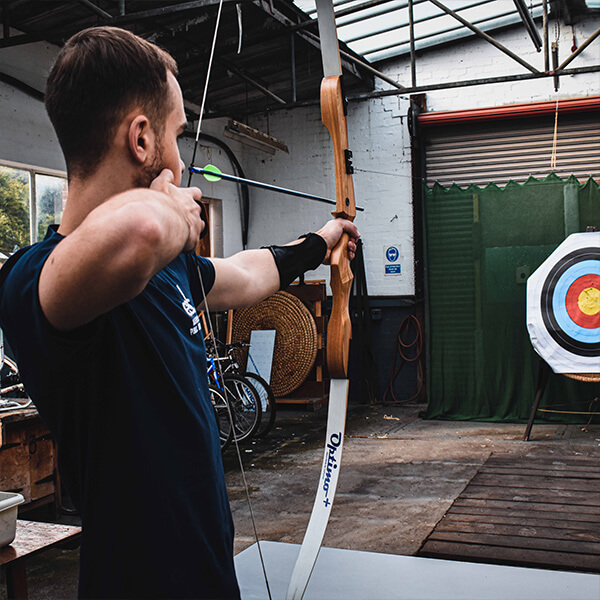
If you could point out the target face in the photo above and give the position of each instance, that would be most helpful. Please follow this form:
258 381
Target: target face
563 306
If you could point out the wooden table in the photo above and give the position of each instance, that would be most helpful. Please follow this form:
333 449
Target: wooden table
32 537
28 459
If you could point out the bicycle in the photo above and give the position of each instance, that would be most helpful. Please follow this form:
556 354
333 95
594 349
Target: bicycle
223 416
267 398
242 397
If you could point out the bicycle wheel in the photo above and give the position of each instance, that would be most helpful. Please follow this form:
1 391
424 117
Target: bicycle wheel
222 414
267 400
245 405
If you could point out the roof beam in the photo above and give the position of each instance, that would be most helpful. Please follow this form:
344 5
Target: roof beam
96 9
128 19
389 28
284 20
349 62
242 74
577 52
356 61
484 35
529 24
433 34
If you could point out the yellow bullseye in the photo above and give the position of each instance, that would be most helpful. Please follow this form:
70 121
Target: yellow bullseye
589 301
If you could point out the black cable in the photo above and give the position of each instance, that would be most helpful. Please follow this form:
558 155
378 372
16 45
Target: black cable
402 347
243 188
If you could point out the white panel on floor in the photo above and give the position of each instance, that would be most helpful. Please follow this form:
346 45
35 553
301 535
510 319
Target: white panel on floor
353 575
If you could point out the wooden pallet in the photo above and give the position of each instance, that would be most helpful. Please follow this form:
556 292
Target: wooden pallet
313 394
532 512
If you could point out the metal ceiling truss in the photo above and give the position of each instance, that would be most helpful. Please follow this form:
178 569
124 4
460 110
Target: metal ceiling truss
524 14
529 26
301 28
119 21
351 62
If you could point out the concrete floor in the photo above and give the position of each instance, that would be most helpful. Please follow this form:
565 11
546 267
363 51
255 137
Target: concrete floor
399 476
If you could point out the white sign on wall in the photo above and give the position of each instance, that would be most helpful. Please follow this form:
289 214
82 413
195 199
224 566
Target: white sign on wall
391 260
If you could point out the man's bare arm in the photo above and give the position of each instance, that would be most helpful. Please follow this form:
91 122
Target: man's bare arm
248 277
110 257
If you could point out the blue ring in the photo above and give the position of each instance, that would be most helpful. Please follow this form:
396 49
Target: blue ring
559 302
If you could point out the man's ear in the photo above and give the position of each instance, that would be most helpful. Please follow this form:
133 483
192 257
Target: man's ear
141 139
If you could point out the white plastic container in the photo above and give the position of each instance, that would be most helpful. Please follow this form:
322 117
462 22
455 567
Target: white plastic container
8 516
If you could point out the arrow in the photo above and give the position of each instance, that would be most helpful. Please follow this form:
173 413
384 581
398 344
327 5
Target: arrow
212 173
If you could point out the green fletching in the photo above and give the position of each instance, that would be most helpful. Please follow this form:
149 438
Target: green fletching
212 169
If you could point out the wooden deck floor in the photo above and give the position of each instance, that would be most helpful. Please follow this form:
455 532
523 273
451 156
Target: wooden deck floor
539 512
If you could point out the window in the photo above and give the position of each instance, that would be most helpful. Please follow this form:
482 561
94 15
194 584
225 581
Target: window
30 200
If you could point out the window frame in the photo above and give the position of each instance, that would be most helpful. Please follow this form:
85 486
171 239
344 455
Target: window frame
33 171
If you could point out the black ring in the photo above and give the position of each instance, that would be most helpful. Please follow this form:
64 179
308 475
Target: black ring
558 335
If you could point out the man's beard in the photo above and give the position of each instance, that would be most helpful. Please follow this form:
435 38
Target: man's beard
150 172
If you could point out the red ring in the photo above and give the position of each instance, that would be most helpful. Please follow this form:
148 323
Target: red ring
572 301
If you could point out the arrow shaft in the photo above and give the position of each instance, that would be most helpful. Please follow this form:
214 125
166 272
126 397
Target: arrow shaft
264 186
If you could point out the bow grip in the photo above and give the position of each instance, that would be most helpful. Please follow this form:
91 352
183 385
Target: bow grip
339 329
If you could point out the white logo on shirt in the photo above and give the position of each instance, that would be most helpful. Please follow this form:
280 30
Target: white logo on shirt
188 307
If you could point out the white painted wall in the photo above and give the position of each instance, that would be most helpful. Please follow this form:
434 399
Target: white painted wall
26 134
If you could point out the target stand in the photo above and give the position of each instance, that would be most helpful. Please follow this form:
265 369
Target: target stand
563 313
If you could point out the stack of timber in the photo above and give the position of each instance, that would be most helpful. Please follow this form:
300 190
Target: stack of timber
541 512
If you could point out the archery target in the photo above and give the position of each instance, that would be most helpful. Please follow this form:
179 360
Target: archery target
563 306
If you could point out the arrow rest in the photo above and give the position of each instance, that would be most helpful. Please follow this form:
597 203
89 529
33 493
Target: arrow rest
349 166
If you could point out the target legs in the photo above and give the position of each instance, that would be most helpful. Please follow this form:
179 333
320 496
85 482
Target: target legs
542 380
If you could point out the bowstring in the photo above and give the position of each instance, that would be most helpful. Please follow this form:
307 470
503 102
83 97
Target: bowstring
213 340
205 92
210 325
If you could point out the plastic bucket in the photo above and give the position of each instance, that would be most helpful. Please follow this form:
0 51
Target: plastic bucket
8 516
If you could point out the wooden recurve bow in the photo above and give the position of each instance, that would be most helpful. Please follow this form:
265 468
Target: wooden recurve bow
339 330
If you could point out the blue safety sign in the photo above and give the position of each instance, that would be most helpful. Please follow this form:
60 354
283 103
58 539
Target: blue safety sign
392 265
392 254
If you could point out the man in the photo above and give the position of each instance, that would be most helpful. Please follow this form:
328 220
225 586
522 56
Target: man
101 318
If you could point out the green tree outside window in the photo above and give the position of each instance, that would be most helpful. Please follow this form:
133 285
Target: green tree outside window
14 210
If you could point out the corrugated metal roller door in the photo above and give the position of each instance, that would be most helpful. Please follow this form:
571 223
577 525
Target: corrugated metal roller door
516 149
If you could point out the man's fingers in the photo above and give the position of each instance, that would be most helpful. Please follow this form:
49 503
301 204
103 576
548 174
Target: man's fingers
165 176
196 193
351 229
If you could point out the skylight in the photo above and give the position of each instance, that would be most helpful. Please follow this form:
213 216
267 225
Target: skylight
379 29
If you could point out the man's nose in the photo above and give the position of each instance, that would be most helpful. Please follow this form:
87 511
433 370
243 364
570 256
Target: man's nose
181 165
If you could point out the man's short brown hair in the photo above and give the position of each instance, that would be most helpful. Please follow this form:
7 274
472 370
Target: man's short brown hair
100 75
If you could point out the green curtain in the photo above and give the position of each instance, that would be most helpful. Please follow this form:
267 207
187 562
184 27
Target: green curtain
481 246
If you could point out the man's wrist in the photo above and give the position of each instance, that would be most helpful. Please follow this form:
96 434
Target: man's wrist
294 260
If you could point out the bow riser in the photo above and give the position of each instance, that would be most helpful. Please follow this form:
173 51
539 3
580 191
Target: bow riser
335 121
339 330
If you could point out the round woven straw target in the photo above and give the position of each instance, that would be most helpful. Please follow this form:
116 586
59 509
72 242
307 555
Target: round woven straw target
295 341
586 377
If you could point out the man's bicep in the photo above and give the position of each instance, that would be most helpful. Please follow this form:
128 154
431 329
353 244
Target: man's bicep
228 283
243 280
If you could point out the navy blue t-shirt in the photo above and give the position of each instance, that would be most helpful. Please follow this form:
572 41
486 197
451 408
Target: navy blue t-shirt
127 401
